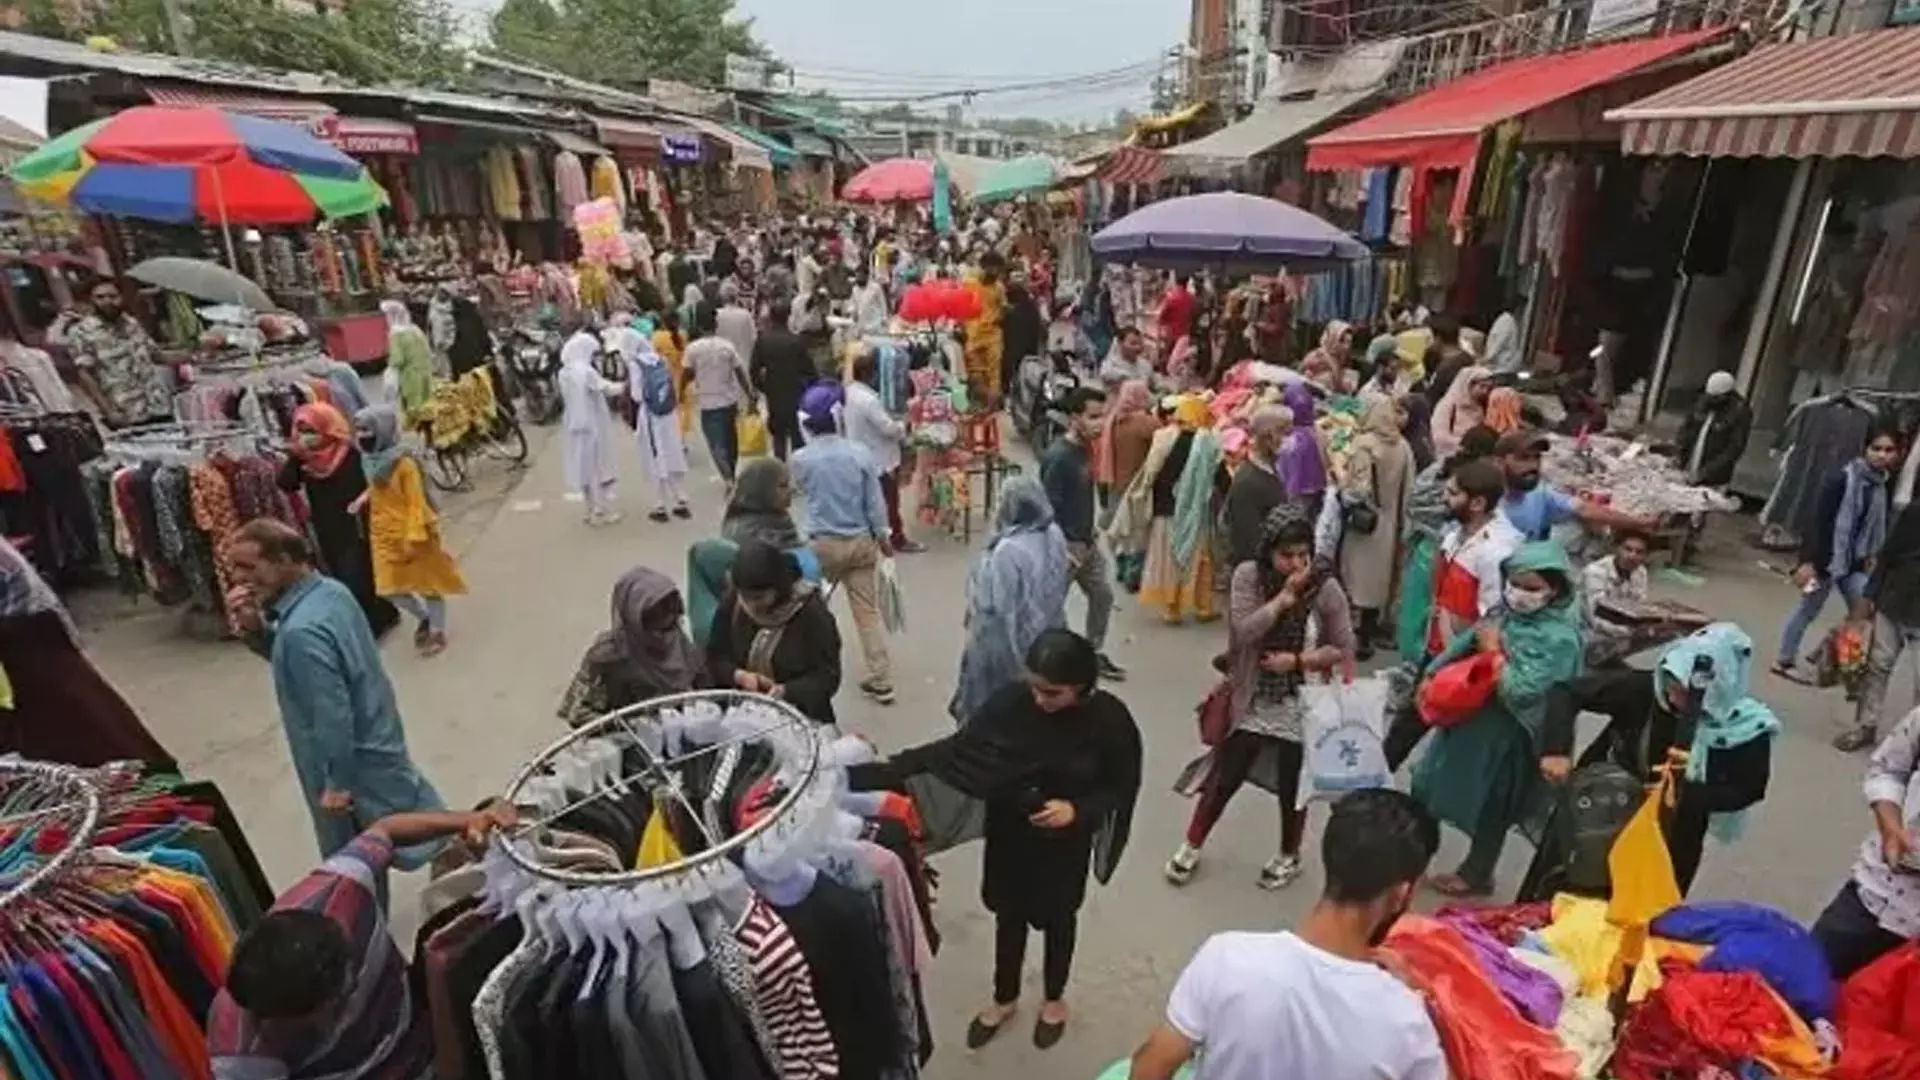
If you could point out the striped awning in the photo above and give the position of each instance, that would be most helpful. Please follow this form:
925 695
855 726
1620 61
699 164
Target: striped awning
1132 165
1851 96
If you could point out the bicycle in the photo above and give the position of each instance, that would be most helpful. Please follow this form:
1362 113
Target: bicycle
484 426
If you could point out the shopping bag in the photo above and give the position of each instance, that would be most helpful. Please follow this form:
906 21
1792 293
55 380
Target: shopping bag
1455 693
893 605
751 430
1344 727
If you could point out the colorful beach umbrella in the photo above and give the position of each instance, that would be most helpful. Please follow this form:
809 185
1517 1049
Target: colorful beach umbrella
892 180
1016 177
181 165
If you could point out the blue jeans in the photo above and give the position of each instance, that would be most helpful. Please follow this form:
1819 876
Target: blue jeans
431 610
1810 606
723 438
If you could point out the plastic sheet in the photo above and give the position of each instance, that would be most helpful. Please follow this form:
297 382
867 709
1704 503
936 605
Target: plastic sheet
1484 1036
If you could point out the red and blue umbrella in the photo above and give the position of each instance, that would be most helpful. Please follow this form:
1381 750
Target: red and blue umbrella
181 165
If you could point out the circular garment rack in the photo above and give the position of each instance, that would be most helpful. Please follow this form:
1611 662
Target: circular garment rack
37 794
657 775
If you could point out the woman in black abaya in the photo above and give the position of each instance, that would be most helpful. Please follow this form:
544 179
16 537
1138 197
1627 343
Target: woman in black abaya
1056 761
324 464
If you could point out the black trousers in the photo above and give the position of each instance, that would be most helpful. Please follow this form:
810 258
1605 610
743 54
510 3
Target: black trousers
785 440
1010 955
1405 729
1849 934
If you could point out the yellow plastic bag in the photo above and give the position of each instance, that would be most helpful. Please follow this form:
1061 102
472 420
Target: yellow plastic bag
657 845
751 429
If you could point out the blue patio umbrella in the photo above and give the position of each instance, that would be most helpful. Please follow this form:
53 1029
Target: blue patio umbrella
1226 228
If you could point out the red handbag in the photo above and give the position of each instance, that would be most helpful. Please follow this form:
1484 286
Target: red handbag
1215 714
1452 695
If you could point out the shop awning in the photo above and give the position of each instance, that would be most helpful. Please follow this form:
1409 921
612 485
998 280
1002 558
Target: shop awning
1132 165
624 134
304 112
777 152
1851 96
577 144
807 144
746 154
1304 96
1441 128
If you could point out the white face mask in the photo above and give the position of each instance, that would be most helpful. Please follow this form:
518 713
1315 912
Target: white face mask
1527 601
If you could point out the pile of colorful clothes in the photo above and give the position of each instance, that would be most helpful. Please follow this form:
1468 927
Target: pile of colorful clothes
1719 989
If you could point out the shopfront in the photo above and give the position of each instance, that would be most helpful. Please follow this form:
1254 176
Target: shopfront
1835 125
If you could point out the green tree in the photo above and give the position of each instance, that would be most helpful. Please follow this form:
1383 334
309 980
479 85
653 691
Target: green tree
626 40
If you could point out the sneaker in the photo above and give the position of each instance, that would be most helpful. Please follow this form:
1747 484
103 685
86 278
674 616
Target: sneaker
1185 861
1283 871
908 547
683 512
657 515
881 692
1849 742
1110 670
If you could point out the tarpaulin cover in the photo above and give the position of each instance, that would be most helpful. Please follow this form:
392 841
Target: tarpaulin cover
1483 1035
1441 128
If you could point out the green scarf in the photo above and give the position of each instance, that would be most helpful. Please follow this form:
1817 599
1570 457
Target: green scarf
1542 648
1193 496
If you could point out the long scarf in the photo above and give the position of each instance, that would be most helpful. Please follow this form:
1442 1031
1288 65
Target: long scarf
333 433
663 660
1288 632
1543 648
1300 466
1862 527
1193 496
770 626
378 427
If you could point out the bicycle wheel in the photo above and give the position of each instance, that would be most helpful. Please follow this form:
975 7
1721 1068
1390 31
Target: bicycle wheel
447 469
508 442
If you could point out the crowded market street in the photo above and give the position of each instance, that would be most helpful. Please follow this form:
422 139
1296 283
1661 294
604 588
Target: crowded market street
539 583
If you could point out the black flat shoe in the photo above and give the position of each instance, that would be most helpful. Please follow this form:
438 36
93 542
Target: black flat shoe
980 1033
1046 1035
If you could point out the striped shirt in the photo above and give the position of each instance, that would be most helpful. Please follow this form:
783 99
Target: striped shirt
381 1033
785 984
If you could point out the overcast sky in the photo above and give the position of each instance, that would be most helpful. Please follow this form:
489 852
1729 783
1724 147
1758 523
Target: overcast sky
885 47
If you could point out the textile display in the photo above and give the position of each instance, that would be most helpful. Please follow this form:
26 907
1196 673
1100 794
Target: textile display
1484 1036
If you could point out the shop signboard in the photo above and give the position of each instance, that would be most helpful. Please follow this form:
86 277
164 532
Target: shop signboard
683 149
1606 18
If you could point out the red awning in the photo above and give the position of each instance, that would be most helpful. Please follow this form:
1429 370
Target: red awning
1441 128
1852 96
1132 165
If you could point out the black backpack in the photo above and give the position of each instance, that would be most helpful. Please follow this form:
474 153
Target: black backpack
1597 803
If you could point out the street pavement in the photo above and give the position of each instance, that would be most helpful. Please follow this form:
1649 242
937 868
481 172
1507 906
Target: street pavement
540 581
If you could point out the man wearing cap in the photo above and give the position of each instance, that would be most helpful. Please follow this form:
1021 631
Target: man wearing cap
846 523
1715 434
1533 509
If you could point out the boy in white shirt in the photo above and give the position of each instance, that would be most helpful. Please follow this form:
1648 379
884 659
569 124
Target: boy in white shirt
1253 1006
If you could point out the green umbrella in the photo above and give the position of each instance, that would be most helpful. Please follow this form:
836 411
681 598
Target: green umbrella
1019 176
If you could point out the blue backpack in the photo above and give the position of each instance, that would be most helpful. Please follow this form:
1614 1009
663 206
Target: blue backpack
656 389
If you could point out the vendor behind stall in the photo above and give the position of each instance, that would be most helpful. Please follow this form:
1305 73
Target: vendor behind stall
119 367
1535 509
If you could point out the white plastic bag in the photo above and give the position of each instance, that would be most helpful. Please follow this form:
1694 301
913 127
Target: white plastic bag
1344 727
893 605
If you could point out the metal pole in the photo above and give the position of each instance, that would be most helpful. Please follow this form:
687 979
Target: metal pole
226 229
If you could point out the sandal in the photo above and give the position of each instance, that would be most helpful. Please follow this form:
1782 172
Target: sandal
1047 1033
1787 672
435 645
1849 742
1458 888
980 1033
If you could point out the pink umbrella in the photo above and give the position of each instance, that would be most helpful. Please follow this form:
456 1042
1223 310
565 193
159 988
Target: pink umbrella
893 180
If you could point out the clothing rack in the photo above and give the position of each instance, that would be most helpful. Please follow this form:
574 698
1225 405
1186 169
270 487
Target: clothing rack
783 724
42 792
146 440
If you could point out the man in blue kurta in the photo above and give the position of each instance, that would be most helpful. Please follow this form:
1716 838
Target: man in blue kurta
336 703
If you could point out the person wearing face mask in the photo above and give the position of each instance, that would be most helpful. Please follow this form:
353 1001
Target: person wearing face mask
410 565
323 464
1056 760
1840 548
645 654
1534 508
1314 1002
1483 775
774 635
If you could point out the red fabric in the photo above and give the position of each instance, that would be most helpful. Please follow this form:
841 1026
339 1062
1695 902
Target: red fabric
1441 128
1177 310
1457 692
1879 1019
1697 1019
1483 1035
1506 923
1455 591
12 477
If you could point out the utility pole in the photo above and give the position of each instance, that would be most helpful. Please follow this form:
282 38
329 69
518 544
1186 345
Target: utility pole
179 27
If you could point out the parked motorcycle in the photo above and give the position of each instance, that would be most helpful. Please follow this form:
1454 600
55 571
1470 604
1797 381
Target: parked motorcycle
1041 387
532 359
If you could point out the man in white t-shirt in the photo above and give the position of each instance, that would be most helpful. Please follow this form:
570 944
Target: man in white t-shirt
1313 1003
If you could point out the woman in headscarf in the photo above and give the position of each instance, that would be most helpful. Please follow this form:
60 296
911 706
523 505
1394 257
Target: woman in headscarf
1302 464
671 343
1117 458
410 567
774 635
1016 589
663 449
1726 733
409 361
1382 371
1463 406
644 654
1286 619
587 419
322 463
708 564
1057 762
1178 576
761 506
1380 471
1483 775
1417 425
1336 347
1503 410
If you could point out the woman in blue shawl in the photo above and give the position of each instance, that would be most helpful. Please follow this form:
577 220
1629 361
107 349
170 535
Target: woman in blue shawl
1016 589
1483 776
